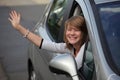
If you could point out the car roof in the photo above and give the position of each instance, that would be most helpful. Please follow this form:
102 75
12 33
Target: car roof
104 1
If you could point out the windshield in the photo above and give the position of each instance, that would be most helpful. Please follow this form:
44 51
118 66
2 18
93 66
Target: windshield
110 19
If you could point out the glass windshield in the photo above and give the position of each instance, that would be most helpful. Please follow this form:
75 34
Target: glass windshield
110 19
56 17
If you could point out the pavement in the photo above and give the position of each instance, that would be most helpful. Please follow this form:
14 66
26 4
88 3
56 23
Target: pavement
13 47
3 75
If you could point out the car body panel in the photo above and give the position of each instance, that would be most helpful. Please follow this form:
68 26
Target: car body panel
40 58
98 52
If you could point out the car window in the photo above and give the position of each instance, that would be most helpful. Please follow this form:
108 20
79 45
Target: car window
55 18
110 19
88 62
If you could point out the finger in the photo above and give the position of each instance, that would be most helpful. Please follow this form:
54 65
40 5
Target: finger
11 16
10 19
19 16
16 14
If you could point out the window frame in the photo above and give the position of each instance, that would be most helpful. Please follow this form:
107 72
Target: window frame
80 72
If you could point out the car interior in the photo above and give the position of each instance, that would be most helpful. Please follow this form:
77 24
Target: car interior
87 69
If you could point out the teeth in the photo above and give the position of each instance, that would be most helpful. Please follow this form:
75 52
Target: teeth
72 37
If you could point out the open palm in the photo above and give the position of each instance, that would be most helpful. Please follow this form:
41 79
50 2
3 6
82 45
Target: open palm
14 19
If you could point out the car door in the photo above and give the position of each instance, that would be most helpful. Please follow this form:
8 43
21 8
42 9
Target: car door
103 29
87 71
49 29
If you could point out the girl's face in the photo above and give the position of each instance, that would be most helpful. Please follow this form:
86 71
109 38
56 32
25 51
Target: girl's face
73 35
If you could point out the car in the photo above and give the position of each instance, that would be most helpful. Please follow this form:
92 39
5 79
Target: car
101 59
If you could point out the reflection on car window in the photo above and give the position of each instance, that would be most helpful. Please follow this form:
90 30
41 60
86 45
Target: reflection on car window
110 18
55 18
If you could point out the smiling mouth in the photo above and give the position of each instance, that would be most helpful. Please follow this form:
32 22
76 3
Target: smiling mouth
72 37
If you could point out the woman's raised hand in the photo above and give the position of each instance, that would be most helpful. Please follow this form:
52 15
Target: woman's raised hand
14 19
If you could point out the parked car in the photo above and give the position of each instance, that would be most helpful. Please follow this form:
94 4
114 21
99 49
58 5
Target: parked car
101 59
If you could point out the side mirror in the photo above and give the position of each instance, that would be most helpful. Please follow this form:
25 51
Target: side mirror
66 63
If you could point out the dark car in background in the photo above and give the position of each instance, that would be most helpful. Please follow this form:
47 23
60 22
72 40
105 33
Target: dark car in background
101 59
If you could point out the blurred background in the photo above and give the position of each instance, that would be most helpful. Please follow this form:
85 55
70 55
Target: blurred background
13 47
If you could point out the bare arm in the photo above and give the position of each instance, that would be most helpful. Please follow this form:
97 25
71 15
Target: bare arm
15 21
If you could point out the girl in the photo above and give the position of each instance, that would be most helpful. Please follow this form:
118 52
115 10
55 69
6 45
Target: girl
75 36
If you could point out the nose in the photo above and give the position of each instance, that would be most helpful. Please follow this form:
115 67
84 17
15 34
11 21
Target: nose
72 31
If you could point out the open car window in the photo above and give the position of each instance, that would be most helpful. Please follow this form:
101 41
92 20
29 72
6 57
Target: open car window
87 70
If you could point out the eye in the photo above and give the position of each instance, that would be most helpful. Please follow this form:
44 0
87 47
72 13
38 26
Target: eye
75 29
69 29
